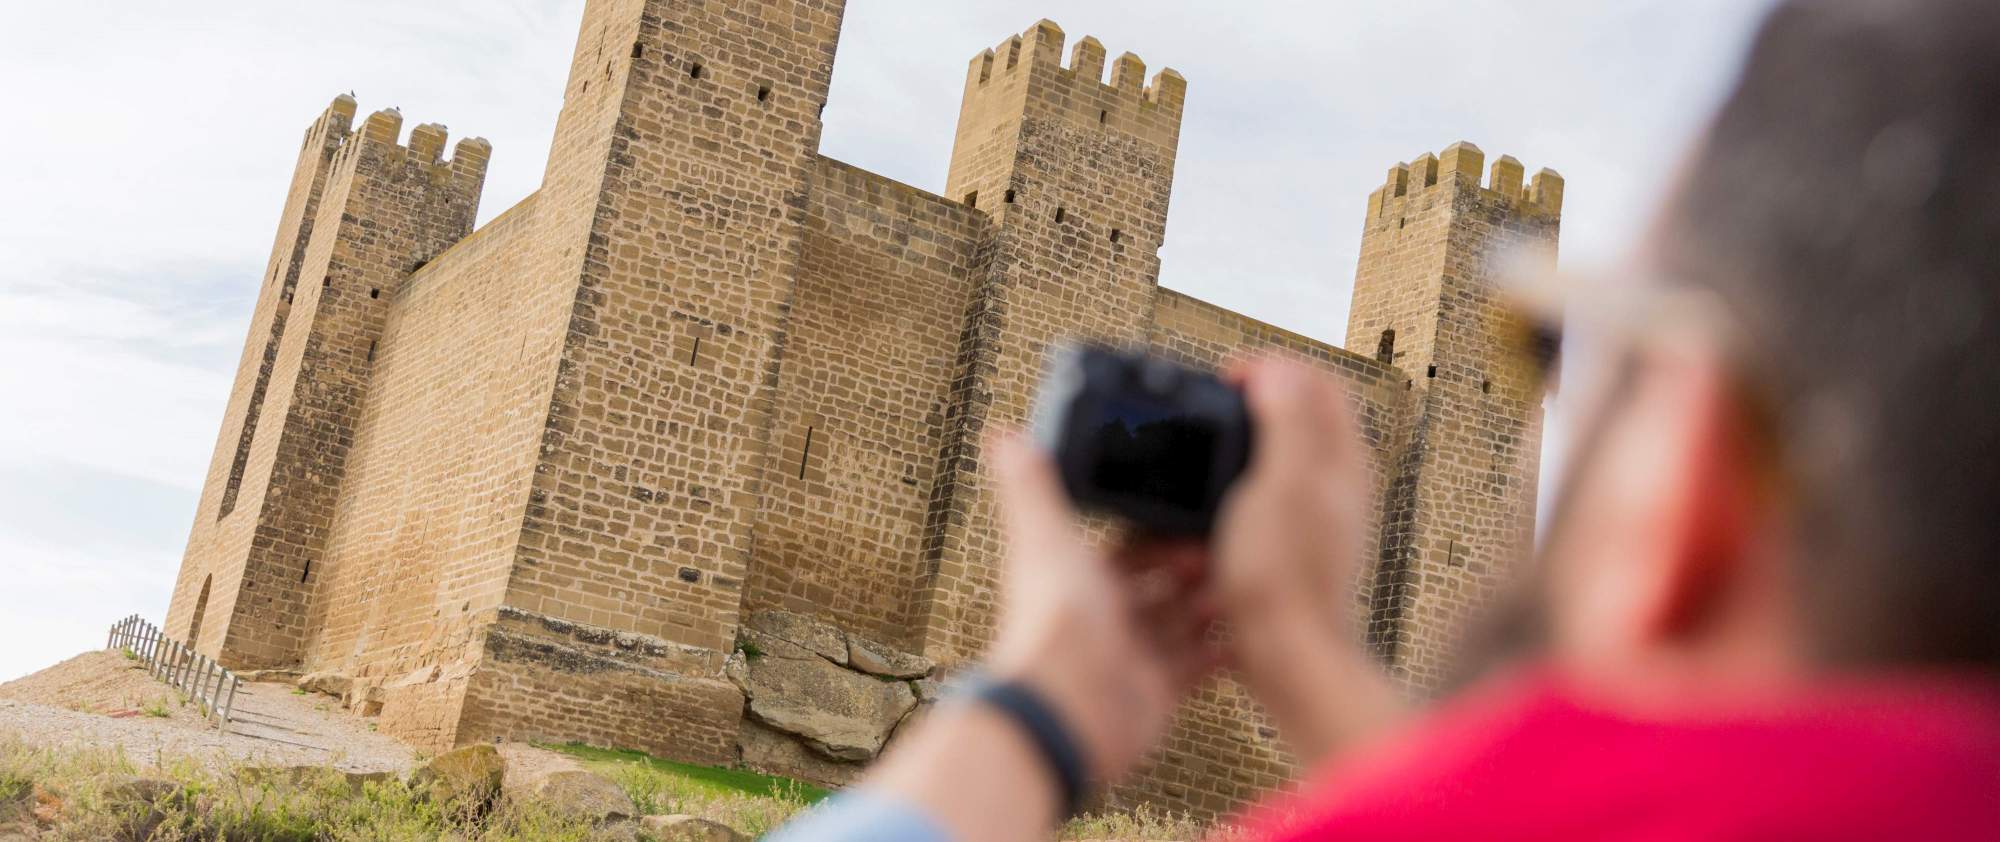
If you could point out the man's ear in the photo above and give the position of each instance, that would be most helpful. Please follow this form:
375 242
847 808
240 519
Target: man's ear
1706 495
1653 545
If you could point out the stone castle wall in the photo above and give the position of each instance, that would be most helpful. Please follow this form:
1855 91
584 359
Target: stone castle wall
887 273
682 453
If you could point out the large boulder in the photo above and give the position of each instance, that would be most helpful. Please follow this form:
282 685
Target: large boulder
468 776
798 630
689 829
841 714
876 659
326 681
583 796
774 752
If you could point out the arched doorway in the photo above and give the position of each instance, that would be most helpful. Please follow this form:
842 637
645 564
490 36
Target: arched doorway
200 608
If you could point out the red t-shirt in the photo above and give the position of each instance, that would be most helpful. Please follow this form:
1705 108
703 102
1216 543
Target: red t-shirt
1910 757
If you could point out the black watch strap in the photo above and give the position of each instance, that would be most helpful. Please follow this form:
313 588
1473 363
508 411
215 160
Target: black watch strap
1045 728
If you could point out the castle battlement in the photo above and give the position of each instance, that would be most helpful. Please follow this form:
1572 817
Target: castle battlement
381 132
336 121
1127 94
1459 167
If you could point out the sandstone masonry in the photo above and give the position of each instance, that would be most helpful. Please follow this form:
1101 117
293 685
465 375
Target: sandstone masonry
682 452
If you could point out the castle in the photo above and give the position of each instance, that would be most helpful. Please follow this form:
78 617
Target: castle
690 437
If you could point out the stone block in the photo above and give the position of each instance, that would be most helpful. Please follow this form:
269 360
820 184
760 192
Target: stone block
800 630
841 714
876 659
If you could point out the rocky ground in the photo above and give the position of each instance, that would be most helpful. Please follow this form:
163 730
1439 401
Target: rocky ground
103 700
96 748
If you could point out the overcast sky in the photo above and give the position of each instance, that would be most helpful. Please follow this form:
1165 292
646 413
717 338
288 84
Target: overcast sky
146 149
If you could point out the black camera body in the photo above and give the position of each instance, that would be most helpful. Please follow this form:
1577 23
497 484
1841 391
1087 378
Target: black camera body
1142 438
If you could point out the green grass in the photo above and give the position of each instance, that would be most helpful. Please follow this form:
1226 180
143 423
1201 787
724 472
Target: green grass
157 708
705 778
84 793
752 803
81 787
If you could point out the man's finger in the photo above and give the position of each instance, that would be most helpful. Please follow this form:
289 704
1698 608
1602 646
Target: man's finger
1033 504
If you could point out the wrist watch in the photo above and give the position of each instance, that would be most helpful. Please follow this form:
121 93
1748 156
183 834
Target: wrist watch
1045 729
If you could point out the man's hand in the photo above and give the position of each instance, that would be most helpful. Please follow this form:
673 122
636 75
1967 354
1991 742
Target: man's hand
1113 641
1286 551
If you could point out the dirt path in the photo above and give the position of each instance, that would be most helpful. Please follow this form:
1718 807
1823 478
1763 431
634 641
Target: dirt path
102 700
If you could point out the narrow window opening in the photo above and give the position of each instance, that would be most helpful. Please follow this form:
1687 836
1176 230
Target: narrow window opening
1116 235
375 293
326 282
694 70
1433 372
805 454
1102 116
308 572
1401 222
694 356
1060 213
1486 386
972 199
1008 198
1385 350
638 50
200 609
764 93
586 86
371 352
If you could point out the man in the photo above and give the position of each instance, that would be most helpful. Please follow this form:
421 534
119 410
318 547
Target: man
1768 604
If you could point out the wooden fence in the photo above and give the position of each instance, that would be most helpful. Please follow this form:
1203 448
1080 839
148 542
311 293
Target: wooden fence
206 683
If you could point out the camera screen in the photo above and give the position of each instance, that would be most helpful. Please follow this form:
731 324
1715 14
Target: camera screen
1153 451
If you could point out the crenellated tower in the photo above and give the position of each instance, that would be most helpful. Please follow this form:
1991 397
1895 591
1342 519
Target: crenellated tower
363 212
1459 502
1075 173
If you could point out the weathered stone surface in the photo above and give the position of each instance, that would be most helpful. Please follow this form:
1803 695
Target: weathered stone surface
330 683
689 829
755 644
878 659
365 697
839 713
310 775
798 629
421 675
469 775
736 668
927 689
774 752
583 796
248 676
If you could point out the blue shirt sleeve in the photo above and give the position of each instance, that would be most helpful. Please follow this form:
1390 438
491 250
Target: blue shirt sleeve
861 816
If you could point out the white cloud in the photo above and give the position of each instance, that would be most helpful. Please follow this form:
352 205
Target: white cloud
149 146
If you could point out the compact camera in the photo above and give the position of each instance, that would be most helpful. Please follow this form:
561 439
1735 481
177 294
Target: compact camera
1142 438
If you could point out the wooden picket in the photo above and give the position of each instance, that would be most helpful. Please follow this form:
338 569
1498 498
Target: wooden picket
210 685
